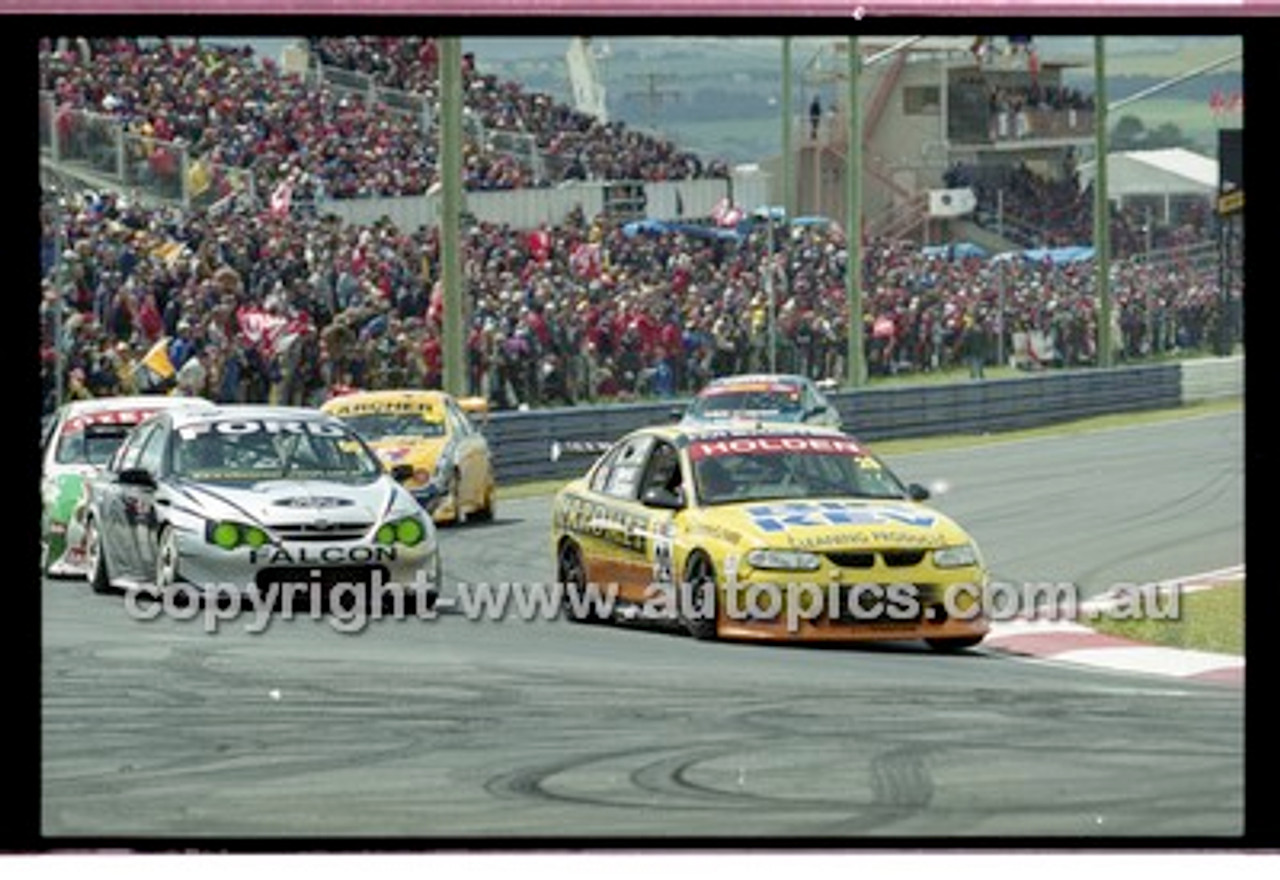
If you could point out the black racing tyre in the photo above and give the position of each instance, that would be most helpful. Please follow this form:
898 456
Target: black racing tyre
952 645
96 558
698 610
571 574
487 513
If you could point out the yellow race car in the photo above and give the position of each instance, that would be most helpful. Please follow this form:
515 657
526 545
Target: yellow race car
432 432
778 533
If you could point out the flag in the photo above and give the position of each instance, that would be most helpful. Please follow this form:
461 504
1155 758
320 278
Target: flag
154 371
726 213
282 199
171 252
586 260
198 178
952 202
157 359
260 329
540 245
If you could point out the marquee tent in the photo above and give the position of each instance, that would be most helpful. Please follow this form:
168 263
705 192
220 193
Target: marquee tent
1163 174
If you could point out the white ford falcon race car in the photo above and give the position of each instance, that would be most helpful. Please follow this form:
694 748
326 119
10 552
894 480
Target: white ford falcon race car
242 499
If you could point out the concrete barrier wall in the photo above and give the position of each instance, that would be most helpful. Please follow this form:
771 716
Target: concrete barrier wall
1212 379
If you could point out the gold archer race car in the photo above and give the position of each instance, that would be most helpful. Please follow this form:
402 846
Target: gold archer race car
453 474
777 533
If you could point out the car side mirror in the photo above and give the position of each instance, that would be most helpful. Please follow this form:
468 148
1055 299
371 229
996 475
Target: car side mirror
663 498
401 472
136 477
917 492
676 413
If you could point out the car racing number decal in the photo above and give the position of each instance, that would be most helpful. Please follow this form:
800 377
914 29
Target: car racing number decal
663 562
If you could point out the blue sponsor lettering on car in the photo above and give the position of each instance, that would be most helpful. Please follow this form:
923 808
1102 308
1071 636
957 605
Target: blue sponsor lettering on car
799 514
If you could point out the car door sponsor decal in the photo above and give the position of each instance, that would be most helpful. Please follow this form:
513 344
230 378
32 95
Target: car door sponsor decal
583 517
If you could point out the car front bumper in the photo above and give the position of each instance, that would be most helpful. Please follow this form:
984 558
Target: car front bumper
838 605
309 566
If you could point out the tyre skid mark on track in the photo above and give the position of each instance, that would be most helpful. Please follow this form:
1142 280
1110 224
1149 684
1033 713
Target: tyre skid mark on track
901 784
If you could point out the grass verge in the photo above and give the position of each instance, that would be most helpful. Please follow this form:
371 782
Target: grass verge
1207 620
1061 429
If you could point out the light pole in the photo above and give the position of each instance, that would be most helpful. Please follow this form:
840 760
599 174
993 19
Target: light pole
1150 329
788 187
856 370
1101 213
454 363
770 292
59 276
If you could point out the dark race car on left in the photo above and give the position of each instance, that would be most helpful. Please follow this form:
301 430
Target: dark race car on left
252 499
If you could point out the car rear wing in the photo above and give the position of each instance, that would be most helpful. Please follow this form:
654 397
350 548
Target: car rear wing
477 408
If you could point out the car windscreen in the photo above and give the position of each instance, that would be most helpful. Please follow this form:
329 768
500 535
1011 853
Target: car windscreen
777 402
768 468
265 449
93 444
380 426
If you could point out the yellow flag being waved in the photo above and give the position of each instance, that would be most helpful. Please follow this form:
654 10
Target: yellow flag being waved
154 372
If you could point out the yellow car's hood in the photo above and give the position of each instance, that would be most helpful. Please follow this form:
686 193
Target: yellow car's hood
835 523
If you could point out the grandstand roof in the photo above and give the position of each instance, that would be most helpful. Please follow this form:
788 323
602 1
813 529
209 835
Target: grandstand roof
1173 171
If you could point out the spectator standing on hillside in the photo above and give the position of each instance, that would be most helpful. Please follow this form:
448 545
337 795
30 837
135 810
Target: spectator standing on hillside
973 345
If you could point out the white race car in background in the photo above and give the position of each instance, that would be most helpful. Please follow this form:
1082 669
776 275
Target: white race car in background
77 441
768 398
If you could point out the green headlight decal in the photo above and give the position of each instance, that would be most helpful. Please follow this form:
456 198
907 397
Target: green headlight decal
409 532
229 535
226 535
386 534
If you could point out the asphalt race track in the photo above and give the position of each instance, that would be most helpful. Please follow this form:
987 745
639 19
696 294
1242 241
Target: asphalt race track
458 730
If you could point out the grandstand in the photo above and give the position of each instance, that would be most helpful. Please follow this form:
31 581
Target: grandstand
929 109
99 115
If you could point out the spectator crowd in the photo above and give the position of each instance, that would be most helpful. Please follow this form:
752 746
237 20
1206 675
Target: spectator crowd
229 108
1041 212
290 309
248 305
